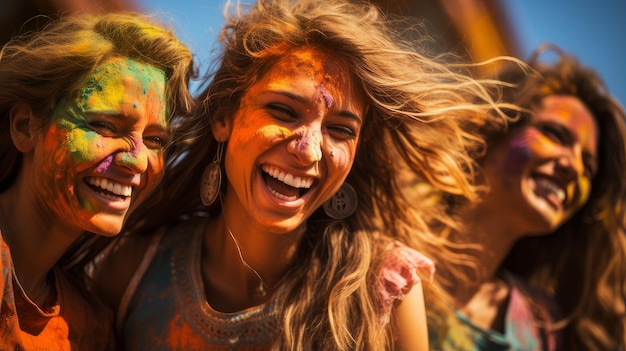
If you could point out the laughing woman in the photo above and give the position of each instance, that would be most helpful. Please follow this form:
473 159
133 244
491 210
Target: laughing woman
552 268
85 107
272 230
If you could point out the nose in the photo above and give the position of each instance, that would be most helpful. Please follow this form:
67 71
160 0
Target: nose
571 165
134 158
306 146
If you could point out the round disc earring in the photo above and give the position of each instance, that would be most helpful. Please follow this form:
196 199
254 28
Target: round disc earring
212 178
343 204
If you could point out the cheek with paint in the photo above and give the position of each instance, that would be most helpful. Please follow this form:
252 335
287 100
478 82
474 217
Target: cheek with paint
583 187
81 147
68 150
271 135
539 144
518 155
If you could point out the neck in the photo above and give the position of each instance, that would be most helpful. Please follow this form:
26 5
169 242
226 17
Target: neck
30 235
489 241
238 260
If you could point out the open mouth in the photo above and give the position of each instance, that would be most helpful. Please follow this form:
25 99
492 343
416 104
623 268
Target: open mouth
109 188
547 187
283 185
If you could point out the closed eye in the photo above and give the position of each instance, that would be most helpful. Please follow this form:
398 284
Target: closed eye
557 133
102 127
341 132
282 112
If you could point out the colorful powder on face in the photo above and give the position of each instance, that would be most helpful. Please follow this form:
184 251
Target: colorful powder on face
80 142
584 186
321 89
518 155
273 133
104 166
310 144
126 86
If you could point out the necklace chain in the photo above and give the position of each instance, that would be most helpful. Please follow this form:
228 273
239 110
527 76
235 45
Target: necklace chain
260 290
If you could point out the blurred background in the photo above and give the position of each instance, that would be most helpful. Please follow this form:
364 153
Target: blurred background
594 31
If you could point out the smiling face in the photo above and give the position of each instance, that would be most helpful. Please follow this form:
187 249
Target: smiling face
293 140
541 173
104 150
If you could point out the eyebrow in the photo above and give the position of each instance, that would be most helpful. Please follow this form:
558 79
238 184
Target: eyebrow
303 100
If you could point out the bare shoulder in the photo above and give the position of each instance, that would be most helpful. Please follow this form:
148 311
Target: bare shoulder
115 267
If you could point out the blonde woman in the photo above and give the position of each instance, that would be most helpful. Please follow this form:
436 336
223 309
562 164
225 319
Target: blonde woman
274 228
85 112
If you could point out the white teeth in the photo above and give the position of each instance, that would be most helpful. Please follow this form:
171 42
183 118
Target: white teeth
282 196
553 187
109 185
287 178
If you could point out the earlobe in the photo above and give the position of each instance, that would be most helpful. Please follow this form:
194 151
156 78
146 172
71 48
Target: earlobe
221 129
22 121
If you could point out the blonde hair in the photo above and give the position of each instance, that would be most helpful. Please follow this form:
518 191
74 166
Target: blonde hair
420 119
42 67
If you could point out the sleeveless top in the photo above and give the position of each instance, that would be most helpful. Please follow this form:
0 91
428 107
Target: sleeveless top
522 331
73 322
168 309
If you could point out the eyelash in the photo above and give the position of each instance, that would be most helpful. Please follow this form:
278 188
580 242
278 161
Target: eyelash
159 141
99 126
343 131
152 142
553 133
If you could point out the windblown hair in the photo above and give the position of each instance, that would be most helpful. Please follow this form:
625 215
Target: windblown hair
583 263
40 68
420 118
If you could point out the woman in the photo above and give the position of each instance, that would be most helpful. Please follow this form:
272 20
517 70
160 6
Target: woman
85 107
551 271
313 112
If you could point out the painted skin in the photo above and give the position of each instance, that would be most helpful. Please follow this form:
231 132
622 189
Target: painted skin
293 140
111 137
541 173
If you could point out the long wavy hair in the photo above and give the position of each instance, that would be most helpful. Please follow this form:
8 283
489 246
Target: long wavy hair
40 68
583 263
419 122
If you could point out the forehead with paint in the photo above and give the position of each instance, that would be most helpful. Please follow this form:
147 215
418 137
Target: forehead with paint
331 77
127 87
131 92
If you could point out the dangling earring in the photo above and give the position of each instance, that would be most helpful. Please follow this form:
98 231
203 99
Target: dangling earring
212 178
343 204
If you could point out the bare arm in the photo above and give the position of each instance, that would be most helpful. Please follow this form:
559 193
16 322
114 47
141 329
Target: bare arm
410 321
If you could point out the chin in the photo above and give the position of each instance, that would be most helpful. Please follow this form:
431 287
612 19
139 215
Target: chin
543 223
105 227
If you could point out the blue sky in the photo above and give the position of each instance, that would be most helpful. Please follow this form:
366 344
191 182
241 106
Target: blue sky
594 31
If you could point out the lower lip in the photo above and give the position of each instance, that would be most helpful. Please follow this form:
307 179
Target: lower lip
550 197
293 205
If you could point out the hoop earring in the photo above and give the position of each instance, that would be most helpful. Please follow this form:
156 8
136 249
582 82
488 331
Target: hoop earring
343 204
212 178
